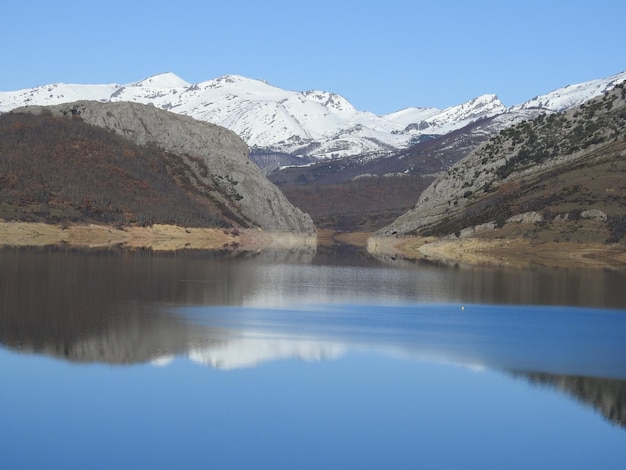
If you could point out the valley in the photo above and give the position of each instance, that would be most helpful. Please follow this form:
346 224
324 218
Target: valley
546 172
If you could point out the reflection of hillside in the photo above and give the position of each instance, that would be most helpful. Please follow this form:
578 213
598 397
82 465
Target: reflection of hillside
134 337
606 396
141 308
118 308
481 284
109 306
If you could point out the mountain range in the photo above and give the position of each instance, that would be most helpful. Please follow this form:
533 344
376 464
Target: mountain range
313 125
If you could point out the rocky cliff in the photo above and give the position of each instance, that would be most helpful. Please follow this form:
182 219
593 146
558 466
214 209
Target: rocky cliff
218 158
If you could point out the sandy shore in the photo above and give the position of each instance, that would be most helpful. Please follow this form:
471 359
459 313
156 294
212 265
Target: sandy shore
517 252
156 237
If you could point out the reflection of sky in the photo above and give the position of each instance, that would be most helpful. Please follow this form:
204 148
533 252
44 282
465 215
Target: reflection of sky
361 411
392 395
557 340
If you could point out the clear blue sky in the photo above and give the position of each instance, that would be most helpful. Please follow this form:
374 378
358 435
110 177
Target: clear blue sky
380 55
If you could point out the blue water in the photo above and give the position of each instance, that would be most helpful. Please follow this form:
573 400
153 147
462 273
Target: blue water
559 340
132 361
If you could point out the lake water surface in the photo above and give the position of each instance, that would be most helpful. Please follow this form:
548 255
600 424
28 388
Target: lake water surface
307 360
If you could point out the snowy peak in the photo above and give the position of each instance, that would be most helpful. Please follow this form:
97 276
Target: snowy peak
330 101
252 349
483 106
163 80
434 121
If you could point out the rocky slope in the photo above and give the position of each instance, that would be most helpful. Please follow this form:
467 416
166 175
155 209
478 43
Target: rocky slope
558 167
216 157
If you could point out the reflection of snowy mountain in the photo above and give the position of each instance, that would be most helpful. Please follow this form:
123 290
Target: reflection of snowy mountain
476 337
251 350
313 123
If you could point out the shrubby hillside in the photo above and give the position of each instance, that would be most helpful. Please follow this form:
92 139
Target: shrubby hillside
365 203
558 177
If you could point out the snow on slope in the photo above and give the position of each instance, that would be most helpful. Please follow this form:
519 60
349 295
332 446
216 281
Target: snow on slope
55 93
408 116
314 123
455 117
263 115
572 95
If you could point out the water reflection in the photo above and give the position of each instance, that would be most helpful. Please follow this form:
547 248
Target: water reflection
139 308
606 396
81 281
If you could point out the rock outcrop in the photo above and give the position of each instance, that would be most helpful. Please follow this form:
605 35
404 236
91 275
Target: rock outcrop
218 157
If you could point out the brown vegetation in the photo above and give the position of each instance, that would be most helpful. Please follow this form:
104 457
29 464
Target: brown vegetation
59 170
364 204
560 196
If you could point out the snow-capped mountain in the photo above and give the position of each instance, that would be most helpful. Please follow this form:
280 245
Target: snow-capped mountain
452 118
313 123
572 95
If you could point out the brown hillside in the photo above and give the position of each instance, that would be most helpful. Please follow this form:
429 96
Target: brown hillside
363 204
60 170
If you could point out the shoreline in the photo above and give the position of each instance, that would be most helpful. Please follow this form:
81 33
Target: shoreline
471 251
514 252
158 237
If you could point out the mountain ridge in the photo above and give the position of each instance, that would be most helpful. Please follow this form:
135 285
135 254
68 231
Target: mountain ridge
314 123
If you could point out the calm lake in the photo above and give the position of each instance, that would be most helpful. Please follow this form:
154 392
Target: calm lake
328 360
